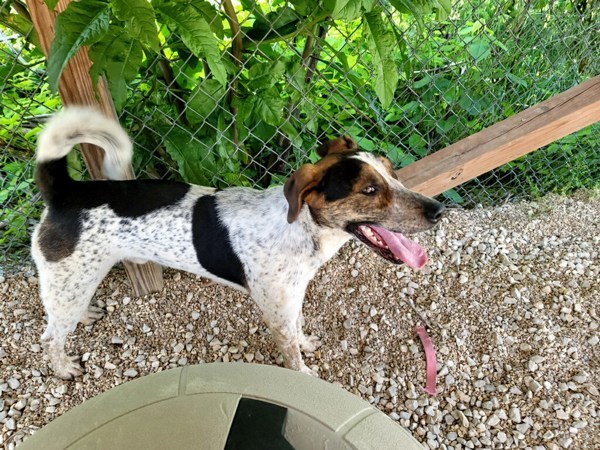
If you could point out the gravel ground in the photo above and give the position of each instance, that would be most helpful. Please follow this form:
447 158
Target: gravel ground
510 295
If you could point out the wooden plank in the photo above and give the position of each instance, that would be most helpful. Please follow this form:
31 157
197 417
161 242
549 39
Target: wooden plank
76 88
505 141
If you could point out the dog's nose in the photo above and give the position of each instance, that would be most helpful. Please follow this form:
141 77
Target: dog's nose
434 211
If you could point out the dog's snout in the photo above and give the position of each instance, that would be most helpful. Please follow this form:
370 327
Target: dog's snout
434 211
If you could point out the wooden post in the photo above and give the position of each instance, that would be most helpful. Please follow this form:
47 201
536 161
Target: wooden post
76 88
505 141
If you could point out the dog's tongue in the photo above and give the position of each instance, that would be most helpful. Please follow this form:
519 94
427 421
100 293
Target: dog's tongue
403 248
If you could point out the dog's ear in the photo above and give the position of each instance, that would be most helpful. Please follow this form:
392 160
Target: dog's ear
342 144
297 188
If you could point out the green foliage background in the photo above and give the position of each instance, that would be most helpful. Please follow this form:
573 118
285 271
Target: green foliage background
403 77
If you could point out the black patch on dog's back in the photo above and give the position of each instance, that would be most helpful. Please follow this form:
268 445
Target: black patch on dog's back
130 198
339 179
138 197
212 242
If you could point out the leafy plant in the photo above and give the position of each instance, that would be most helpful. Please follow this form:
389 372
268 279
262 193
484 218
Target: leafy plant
16 193
24 101
242 95
231 93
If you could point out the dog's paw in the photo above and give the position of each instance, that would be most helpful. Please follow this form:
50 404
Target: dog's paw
93 314
307 370
309 344
68 368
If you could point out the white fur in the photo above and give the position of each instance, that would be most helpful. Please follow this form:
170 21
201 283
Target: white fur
77 125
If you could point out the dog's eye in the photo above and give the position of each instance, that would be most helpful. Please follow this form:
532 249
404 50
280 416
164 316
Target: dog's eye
369 190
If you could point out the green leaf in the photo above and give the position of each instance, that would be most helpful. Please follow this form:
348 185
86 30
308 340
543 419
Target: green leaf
445 125
16 22
194 157
417 144
423 81
479 49
473 103
51 4
265 75
119 57
82 23
230 155
8 71
381 44
273 25
304 7
269 106
516 79
398 156
292 134
195 32
275 19
347 9
204 100
211 15
444 7
295 81
451 194
75 166
245 106
414 7
418 8
140 19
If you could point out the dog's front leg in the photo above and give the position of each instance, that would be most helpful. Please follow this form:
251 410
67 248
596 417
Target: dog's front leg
286 337
310 343
281 309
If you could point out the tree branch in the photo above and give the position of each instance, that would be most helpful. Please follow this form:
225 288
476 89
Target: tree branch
237 48
237 45
315 56
21 9
171 82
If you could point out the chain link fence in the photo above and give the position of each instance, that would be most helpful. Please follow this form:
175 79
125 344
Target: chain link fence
401 84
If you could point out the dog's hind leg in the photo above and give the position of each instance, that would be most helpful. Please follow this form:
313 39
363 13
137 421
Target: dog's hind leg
309 343
66 291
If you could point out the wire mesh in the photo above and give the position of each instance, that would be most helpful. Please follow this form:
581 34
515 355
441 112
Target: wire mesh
295 83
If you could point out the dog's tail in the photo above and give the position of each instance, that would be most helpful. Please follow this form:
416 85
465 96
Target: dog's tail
76 125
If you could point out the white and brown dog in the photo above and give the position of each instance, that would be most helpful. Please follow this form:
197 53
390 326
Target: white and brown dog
267 243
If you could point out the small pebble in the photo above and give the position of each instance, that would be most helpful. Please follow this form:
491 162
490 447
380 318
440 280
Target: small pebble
10 424
130 373
501 437
515 415
493 420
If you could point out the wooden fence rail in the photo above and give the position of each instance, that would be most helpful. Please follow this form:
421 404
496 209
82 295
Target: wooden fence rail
505 141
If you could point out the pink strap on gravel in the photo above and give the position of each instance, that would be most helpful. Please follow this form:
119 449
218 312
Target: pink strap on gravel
430 360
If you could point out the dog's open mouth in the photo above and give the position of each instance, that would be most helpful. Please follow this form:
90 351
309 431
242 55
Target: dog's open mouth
393 246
